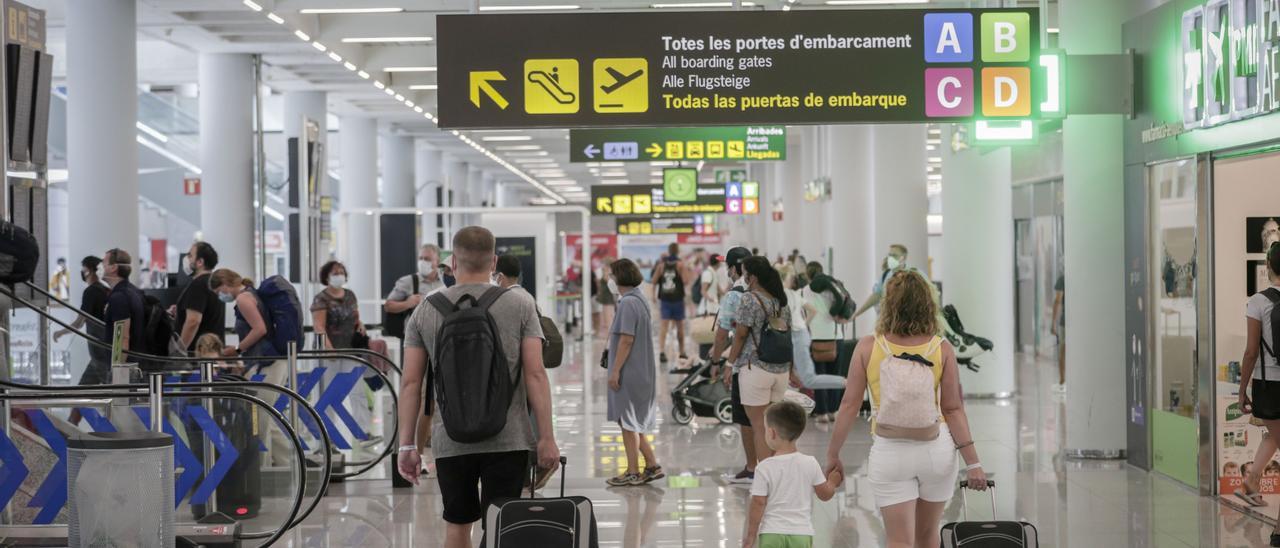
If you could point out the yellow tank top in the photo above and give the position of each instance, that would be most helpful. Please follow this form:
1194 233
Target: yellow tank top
878 355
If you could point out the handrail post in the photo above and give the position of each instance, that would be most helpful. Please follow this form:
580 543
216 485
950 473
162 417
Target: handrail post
206 375
155 391
293 381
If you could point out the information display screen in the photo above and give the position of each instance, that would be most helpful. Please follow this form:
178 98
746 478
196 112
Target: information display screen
734 68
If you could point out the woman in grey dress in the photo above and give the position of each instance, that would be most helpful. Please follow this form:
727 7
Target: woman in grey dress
632 374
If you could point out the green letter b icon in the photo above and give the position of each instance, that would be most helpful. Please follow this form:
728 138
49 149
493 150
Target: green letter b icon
1006 37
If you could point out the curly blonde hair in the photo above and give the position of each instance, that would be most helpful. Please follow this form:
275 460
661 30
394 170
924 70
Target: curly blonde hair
908 308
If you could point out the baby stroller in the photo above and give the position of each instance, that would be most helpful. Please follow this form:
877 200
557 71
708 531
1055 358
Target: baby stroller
700 395
968 346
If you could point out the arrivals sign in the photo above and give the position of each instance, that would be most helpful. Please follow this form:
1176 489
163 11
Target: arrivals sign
731 143
732 198
1230 61
735 68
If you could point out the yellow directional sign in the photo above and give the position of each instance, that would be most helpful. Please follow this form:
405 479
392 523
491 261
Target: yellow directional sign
622 85
604 205
715 150
737 149
693 150
551 86
654 150
675 150
482 80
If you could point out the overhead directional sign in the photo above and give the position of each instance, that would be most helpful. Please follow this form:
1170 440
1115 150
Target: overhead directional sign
734 68
667 224
651 199
728 143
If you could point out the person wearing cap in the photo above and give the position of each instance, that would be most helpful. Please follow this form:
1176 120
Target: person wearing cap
726 323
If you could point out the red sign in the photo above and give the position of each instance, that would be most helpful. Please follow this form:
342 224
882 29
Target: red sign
191 186
159 260
699 239
602 245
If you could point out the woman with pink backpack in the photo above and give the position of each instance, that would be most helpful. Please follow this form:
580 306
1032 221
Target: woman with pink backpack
919 418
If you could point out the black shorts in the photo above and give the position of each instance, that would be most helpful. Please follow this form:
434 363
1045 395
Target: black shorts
740 417
1266 400
468 483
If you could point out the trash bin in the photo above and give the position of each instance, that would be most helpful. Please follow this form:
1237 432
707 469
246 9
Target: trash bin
120 489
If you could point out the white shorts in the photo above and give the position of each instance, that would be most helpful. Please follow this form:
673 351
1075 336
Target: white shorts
905 470
759 387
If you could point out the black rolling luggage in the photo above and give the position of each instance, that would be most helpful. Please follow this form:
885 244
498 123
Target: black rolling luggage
988 534
564 522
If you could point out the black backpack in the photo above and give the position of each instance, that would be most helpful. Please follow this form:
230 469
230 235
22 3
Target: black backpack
393 322
473 387
1272 294
843 306
19 254
157 333
696 294
552 342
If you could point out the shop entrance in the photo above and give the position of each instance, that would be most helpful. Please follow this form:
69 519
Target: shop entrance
1037 218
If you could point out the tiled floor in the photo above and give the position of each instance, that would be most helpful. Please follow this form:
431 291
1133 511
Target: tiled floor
1073 503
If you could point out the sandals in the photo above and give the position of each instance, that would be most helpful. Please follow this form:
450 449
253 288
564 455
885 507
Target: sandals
653 473
625 480
1253 499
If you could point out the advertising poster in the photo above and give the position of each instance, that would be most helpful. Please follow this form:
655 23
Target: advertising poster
602 245
1238 441
525 249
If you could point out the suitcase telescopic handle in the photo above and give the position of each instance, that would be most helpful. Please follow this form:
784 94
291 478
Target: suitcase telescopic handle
964 497
533 476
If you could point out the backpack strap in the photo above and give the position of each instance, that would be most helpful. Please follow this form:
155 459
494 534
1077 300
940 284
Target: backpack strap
490 296
416 287
1272 294
441 303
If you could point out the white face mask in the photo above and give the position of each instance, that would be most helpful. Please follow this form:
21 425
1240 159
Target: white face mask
337 281
100 271
425 268
893 262
613 287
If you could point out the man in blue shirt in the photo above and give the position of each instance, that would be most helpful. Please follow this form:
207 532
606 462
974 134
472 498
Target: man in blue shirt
125 300
726 323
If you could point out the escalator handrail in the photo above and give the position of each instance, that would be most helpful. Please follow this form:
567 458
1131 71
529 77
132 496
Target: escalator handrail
141 390
368 465
294 509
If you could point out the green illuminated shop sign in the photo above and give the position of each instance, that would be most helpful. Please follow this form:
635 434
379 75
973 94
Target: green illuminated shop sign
731 143
1230 61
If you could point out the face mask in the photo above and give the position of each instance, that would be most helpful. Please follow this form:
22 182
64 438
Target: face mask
226 298
425 268
893 262
448 280
613 286
84 276
337 281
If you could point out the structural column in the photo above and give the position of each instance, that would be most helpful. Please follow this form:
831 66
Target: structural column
900 197
1093 210
397 170
428 172
475 187
977 206
455 186
850 217
226 156
312 105
358 176
102 112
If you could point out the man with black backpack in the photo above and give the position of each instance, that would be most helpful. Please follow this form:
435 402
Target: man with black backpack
483 343
669 283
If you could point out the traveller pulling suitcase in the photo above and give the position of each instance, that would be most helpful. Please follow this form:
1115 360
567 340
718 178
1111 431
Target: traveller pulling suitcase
987 534
564 522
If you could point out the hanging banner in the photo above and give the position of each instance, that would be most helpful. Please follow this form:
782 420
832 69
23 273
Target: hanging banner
754 143
733 68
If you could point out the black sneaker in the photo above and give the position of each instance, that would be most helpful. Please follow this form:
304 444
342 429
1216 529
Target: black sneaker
662 357
1275 539
744 477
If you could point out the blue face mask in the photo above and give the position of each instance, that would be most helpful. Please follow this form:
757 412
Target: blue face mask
226 298
448 280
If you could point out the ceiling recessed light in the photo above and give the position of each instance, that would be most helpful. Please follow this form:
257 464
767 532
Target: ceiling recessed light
544 7
497 138
326 11
409 69
253 5
336 58
873 2
275 18
378 84
530 153
423 87
386 39
518 147
363 74
678 5
318 46
302 36
349 66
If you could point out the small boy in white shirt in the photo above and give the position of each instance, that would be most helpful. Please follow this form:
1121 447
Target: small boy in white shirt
781 503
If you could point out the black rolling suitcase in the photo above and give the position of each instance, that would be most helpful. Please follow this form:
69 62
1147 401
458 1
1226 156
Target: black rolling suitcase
564 522
988 534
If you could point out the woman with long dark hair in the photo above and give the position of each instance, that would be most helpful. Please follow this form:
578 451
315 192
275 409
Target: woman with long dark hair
1260 378
761 382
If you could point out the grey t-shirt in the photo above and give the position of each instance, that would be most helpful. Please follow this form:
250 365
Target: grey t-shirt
516 319
404 287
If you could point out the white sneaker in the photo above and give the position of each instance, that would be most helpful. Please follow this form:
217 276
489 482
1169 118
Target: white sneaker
1060 389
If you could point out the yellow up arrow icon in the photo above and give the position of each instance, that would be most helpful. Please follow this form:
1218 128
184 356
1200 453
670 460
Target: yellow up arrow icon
480 81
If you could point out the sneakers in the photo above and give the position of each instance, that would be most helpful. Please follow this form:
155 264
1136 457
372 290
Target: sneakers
744 477
626 480
653 473
662 357
1059 389
825 418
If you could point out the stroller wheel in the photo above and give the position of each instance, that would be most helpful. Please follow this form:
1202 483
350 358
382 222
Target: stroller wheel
724 411
682 412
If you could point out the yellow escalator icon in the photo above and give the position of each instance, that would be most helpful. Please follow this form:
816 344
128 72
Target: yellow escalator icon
551 86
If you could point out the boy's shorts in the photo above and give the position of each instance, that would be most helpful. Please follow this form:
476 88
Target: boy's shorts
774 540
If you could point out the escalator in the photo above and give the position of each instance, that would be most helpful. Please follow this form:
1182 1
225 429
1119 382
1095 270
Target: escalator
252 460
